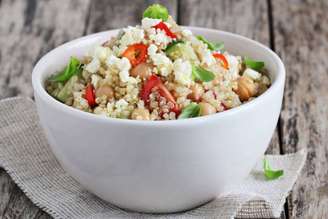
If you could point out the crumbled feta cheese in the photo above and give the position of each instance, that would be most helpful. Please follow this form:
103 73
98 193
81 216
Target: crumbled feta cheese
186 33
123 66
203 52
79 102
233 65
182 72
252 74
207 57
161 61
101 53
95 80
131 36
121 104
93 66
160 38
147 23
152 49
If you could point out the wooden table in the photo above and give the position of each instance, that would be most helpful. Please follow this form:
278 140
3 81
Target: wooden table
297 30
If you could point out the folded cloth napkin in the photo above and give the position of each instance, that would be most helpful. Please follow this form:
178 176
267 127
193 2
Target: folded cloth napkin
26 156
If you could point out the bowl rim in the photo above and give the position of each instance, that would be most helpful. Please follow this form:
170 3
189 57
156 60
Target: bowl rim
41 92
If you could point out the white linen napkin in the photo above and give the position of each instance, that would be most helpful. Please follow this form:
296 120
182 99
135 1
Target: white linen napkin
26 156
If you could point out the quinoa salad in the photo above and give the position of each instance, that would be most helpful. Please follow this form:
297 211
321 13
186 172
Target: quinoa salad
158 71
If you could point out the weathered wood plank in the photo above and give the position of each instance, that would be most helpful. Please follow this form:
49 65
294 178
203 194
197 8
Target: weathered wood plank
301 33
28 29
111 14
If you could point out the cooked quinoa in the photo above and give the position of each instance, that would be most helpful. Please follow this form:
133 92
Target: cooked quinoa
158 71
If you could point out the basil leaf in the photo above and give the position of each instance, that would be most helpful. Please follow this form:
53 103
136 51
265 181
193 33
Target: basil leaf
269 173
74 67
171 45
190 111
253 64
211 46
219 47
202 74
156 11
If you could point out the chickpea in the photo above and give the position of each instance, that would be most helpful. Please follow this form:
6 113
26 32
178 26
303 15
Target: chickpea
246 88
206 109
105 90
140 114
196 92
143 70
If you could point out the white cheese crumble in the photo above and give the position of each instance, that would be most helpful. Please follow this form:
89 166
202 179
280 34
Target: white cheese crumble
132 35
161 61
101 53
233 65
95 80
147 23
93 66
159 37
252 74
203 52
79 101
121 104
186 33
122 65
182 72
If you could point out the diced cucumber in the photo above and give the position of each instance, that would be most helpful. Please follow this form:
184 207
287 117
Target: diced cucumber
181 51
67 90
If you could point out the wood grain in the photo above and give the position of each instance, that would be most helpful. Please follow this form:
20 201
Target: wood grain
301 34
104 13
28 29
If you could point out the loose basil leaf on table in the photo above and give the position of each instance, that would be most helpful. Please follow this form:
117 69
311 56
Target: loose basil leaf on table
269 173
202 74
190 111
74 67
253 64
156 11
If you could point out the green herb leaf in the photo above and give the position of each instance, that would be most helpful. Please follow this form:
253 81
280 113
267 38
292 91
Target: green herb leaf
173 44
211 46
202 74
190 111
253 64
74 67
269 173
156 11
219 47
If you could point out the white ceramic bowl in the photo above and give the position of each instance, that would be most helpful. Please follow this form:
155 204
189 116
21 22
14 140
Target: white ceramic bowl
159 166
